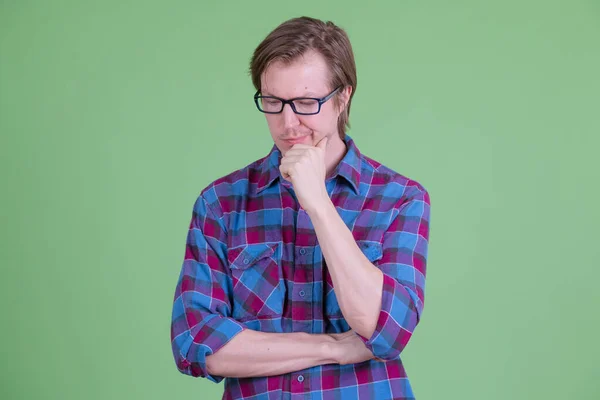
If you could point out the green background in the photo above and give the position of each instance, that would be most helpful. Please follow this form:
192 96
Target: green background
114 115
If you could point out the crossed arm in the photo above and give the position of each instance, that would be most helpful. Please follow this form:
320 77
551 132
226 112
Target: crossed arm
252 353
374 300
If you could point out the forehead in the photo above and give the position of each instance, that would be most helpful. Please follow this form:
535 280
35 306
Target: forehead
307 75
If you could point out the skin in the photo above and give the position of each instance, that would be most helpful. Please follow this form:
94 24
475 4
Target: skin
252 353
357 282
308 76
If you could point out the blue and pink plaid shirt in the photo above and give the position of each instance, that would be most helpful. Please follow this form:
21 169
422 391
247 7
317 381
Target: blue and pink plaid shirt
252 261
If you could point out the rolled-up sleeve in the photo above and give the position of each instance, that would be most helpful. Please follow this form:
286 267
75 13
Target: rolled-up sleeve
403 264
201 320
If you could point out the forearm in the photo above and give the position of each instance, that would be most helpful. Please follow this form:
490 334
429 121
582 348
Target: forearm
252 353
356 281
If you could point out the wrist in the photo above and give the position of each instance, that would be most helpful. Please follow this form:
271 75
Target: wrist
322 210
328 349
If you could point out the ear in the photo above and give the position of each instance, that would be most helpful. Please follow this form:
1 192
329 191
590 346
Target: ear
345 94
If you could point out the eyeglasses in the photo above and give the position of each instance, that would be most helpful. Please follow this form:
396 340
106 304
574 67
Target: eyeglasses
300 105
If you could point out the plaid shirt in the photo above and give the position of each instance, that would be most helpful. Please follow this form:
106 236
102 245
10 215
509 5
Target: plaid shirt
252 260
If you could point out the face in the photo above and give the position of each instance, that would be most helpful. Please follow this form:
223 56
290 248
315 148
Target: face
308 76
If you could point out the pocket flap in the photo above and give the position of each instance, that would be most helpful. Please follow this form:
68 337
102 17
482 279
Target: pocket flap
372 250
244 256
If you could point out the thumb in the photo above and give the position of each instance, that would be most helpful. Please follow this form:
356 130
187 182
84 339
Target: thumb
322 143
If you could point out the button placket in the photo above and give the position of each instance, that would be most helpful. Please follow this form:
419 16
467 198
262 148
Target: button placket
304 275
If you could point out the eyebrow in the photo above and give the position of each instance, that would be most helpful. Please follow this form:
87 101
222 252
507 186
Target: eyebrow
307 94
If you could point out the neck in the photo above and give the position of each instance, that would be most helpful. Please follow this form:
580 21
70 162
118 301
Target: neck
336 150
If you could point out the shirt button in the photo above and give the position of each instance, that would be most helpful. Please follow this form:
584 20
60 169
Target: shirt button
300 378
301 293
246 261
302 251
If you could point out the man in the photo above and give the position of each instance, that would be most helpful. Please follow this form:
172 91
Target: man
304 272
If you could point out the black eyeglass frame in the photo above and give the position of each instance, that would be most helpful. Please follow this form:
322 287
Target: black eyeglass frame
320 101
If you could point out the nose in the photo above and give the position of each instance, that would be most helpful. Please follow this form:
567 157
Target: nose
290 118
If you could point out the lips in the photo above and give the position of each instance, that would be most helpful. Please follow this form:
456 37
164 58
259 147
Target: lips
300 139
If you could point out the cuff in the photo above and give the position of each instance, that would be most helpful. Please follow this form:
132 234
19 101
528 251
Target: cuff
390 337
207 340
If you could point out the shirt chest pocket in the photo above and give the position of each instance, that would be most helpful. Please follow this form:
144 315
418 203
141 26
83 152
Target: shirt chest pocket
374 252
258 290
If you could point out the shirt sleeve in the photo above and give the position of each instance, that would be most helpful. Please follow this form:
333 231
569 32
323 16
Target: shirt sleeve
201 320
403 265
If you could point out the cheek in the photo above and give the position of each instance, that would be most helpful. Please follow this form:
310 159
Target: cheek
322 122
314 124
276 123
273 122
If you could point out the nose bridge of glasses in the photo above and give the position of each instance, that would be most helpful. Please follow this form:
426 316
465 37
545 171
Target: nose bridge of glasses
291 104
289 114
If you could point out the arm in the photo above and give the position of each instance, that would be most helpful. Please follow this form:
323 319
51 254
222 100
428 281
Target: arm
382 304
253 353
201 319
207 342
357 283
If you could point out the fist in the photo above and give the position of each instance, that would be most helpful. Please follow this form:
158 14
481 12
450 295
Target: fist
304 166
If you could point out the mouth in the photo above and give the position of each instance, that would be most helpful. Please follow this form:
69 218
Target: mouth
297 140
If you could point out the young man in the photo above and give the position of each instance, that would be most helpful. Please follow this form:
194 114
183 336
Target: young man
304 272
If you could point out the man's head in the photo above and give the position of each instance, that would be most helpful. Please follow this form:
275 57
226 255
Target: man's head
306 57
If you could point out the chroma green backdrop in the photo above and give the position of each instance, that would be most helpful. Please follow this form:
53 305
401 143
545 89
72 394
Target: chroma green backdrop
115 114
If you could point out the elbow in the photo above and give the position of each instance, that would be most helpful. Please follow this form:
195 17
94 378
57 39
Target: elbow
192 369
392 355
213 365
363 326
391 338
391 351
185 366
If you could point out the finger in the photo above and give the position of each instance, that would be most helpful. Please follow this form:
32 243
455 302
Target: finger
322 143
300 146
286 171
346 334
296 152
292 158
288 167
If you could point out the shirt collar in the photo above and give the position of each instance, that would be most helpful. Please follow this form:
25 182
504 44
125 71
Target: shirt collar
348 168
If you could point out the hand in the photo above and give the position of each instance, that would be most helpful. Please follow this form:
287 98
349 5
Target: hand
348 348
304 166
